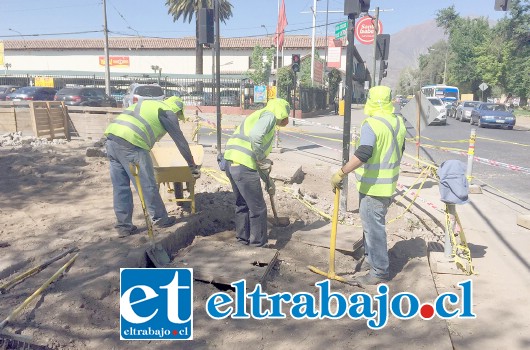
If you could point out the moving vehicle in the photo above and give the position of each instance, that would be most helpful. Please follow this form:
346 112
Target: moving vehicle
140 92
85 96
441 119
492 114
448 94
32 93
5 90
463 111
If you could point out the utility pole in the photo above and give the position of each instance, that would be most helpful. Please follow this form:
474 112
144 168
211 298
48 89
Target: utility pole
326 60
107 63
347 106
218 74
313 42
376 30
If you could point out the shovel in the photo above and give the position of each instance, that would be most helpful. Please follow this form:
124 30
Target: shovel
278 221
156 253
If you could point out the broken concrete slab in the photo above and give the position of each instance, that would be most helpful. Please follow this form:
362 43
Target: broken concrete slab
222 260
288 173
96 152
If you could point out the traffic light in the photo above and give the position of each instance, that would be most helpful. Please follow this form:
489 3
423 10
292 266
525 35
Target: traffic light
295 63
356 7
383 46
383 69
206 28
502 5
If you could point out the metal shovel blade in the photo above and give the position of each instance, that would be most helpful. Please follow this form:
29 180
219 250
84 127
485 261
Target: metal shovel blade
158 256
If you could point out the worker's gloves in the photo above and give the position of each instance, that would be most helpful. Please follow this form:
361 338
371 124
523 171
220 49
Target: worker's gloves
271 188
195 171
336 180
265 165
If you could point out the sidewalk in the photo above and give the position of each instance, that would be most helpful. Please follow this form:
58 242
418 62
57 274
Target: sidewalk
500 256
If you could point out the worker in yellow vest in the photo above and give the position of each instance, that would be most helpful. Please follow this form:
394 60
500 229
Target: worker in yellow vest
130 138
376 163
246 157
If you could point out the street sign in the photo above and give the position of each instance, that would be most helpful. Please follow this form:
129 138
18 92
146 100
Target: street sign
483 86
364 30
427 112
340 30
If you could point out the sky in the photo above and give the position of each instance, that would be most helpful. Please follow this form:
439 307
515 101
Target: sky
31 19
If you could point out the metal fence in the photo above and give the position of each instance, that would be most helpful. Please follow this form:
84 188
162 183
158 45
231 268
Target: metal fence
193 90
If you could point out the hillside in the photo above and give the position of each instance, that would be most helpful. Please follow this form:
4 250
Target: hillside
405 48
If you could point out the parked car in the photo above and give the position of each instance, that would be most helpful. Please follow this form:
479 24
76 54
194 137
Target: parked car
230 98
32 93
463 111
492 114
140 92
85 96
5 90
198 98
441 119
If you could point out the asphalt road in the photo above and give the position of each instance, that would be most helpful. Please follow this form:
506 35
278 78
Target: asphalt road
324 144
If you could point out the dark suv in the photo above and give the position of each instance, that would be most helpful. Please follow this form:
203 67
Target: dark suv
85 96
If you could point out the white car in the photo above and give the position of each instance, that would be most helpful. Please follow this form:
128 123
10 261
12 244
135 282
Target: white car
441 119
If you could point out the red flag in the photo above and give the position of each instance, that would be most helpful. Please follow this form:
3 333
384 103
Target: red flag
280 28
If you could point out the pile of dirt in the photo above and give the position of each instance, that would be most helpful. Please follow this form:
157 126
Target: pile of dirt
54 197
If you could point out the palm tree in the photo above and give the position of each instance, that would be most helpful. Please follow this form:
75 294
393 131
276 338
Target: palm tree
187 9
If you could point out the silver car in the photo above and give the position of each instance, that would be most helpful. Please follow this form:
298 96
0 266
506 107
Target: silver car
463 111
140 92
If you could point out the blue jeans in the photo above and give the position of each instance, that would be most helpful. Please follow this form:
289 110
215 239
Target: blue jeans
251 210
373 212
120 157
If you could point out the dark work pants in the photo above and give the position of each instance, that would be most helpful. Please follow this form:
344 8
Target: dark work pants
251 210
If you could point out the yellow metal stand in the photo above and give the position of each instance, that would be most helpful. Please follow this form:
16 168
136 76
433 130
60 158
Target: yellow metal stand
334 221
460 251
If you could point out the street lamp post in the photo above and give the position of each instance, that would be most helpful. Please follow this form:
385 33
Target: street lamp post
445 62
19 33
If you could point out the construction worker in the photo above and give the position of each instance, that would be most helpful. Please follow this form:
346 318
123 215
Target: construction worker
376 165
130 137
246 157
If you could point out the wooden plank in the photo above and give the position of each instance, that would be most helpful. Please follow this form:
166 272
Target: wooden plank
225 262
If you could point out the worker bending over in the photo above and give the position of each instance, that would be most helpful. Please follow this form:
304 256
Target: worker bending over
129 140
246 157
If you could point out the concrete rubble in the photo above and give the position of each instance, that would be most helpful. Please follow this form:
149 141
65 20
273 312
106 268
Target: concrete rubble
17 139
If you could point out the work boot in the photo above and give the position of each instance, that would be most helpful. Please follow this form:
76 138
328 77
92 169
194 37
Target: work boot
369 280
168 222
123 232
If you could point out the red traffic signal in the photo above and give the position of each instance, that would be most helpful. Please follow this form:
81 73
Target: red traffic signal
295 62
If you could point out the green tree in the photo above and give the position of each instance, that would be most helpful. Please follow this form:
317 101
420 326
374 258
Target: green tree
260 65
189 9
334 79
285 83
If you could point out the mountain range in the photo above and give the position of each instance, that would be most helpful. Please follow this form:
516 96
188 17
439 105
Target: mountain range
405 49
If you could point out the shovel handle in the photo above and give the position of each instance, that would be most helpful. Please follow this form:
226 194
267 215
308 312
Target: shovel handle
134 168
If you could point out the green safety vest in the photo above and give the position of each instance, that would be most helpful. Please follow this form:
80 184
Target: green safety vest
239 149
139 124
378 176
